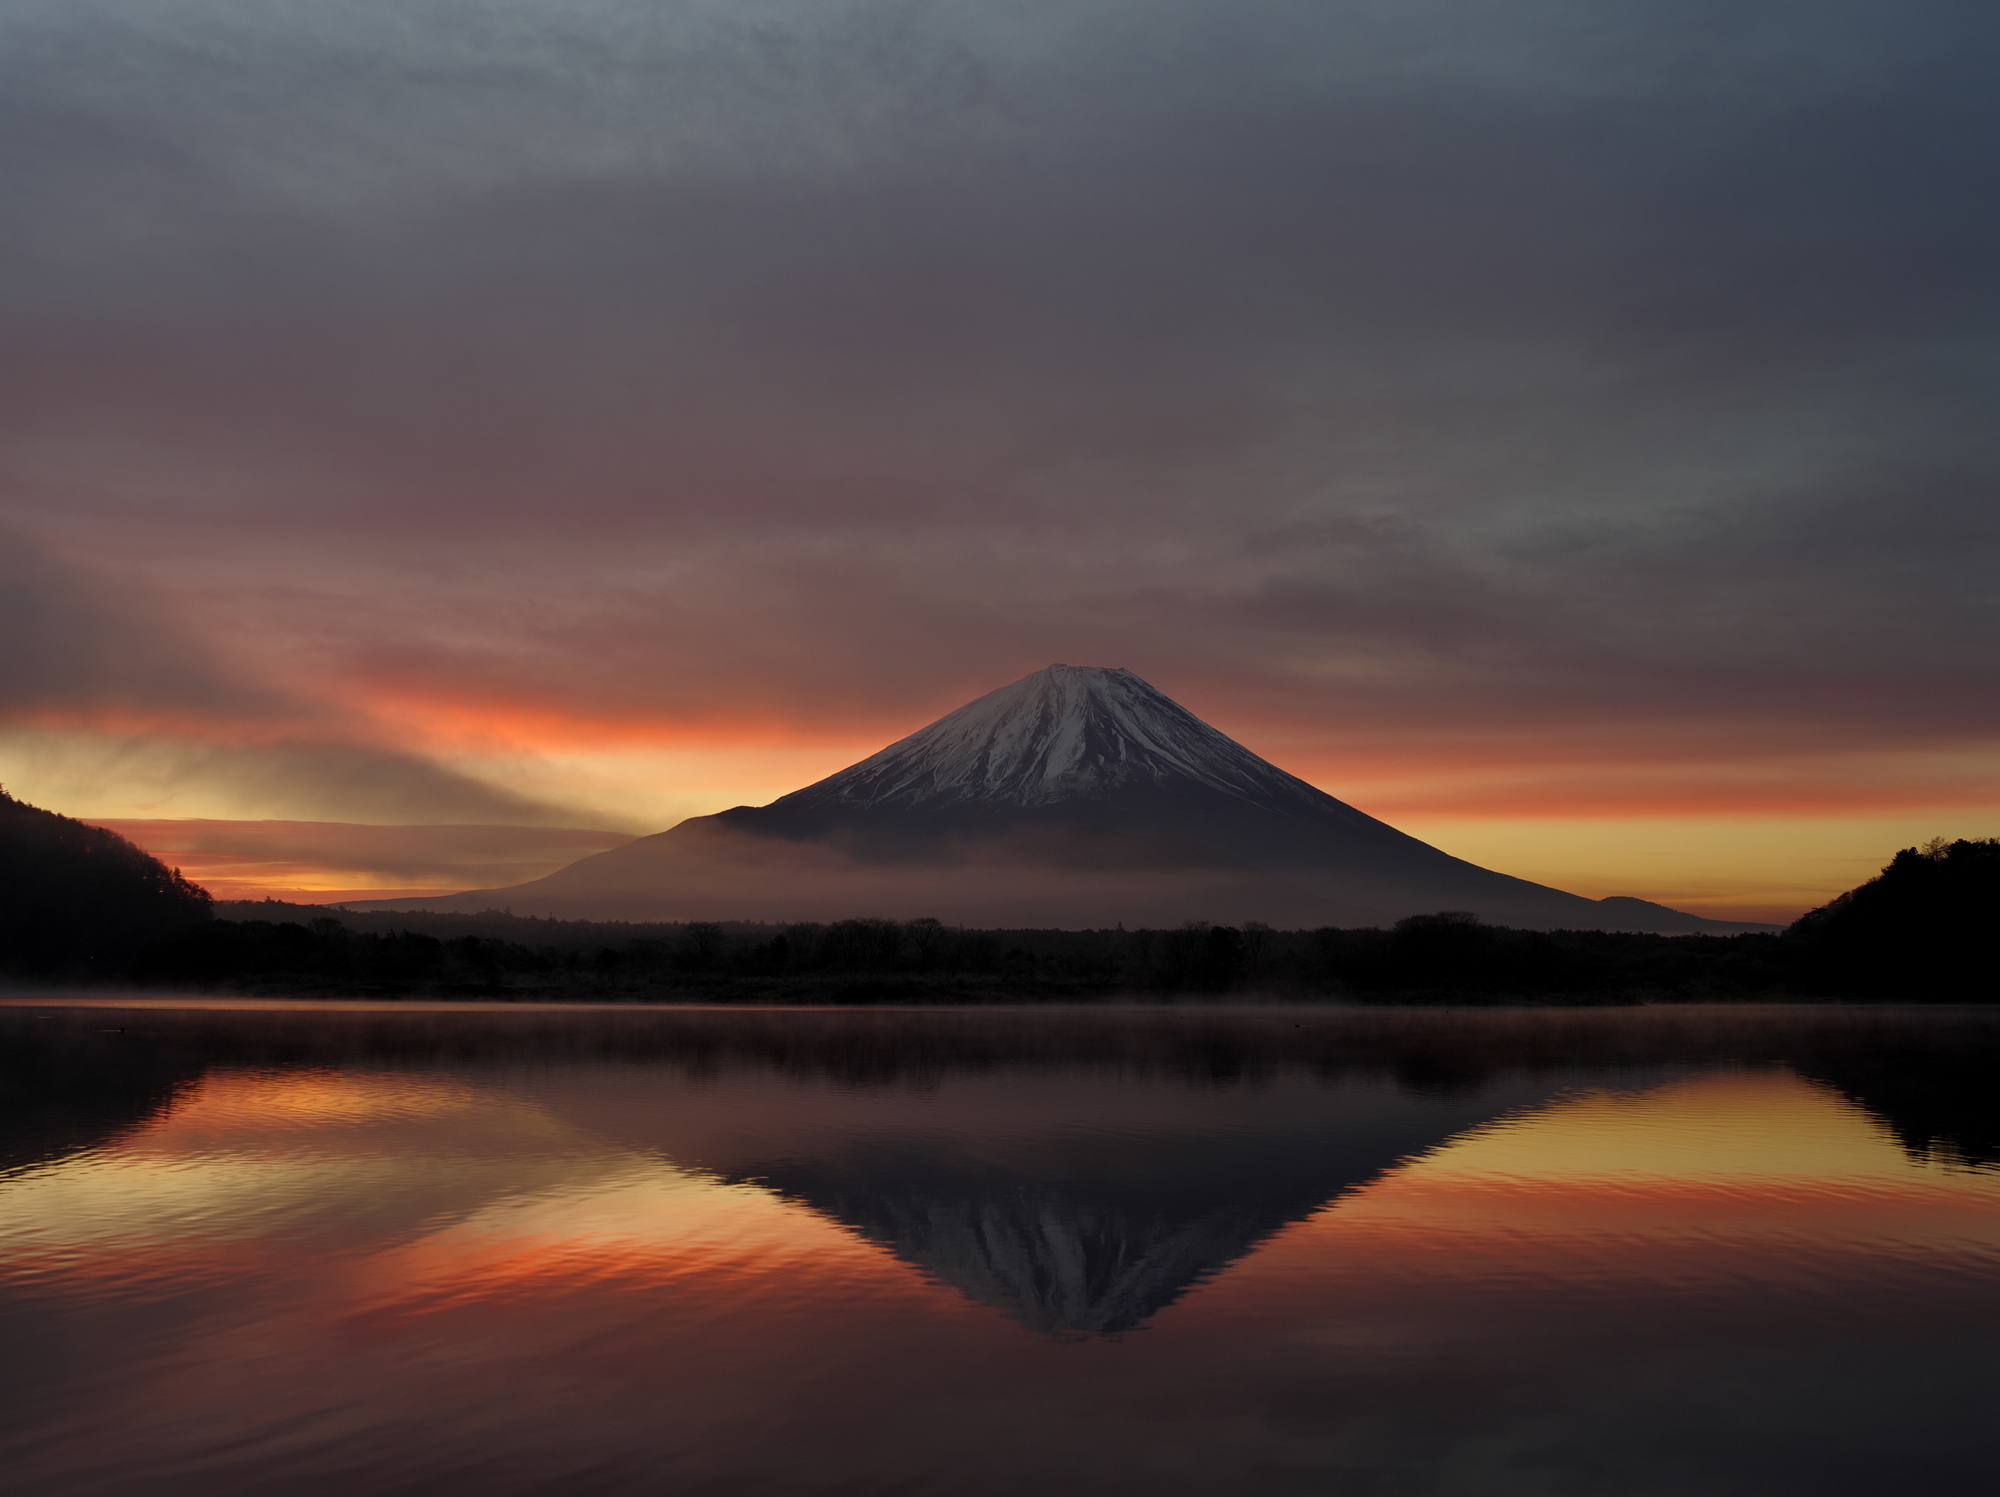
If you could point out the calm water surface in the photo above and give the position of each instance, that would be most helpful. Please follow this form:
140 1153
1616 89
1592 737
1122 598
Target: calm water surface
309 1249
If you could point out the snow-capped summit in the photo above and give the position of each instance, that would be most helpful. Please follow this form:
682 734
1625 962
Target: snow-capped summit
1067 732
1090 751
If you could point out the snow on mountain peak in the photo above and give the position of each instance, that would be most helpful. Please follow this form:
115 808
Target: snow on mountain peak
1066 732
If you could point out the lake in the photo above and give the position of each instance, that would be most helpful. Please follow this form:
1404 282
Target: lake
320 1248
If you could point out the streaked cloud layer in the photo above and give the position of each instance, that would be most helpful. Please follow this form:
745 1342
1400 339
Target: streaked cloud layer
625 410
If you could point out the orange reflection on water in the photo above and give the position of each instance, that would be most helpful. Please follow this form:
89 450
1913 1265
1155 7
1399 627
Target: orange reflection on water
408 1194
1703 1191
649 1230
249 1103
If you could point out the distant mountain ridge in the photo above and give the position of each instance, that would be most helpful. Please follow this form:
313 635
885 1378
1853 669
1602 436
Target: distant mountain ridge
1077 796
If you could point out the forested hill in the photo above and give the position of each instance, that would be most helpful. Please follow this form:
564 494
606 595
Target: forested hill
77 901
1928 924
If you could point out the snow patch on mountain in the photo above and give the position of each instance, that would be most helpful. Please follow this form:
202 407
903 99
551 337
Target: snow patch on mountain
1065 733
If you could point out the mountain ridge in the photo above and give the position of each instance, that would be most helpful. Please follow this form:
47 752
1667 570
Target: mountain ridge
1062 733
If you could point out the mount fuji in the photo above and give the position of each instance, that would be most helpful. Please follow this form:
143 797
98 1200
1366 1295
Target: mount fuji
1078 796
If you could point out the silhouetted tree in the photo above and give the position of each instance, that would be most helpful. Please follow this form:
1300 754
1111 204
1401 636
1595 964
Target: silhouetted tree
927 939
862 945
701 944
1450 949
1256 942
1223 957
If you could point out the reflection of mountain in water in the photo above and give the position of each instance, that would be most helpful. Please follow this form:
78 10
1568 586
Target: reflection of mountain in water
1057 1254
1095 1232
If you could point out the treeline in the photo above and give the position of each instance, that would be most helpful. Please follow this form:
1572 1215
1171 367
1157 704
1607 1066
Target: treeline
1926 929
1437 958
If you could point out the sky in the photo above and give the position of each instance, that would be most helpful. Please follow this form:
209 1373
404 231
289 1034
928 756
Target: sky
1563 429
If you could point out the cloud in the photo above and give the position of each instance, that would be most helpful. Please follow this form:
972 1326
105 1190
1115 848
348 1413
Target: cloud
97 690
158 772
76 645
1565 372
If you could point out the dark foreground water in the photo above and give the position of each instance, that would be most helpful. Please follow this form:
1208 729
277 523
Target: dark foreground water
303 1250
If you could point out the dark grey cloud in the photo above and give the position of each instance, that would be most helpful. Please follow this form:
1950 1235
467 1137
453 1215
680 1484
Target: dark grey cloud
1416 358
74 643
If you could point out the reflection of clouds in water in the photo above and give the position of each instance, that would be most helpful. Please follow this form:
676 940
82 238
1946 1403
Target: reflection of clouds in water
264 1165
258 1102
1757 1124
1701 1185
643 1226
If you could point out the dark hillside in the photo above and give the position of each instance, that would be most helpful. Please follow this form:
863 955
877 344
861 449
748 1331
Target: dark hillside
1926 928
78 901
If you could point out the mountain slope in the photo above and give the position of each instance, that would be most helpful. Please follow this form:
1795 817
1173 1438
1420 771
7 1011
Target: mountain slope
1077 796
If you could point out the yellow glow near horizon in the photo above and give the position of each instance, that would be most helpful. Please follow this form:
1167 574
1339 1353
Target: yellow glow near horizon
1770 868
